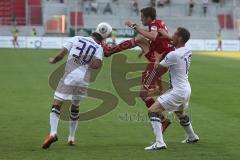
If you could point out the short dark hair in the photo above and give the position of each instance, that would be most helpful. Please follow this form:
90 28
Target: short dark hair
184 33
97 36
149 12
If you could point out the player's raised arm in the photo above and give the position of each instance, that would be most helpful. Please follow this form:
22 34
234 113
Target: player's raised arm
149 35
58 57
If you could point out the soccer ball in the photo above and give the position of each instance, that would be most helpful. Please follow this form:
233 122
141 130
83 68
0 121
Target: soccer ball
104 29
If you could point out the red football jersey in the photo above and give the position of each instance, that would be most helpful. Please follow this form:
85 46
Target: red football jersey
159 45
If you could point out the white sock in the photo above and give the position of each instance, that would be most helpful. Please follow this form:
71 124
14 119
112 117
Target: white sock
157 129
72 129
189 130
54 118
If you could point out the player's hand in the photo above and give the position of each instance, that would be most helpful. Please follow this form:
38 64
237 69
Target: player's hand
129 23
51 60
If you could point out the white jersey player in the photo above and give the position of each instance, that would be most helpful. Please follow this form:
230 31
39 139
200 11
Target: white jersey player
177 99
82 52
85 53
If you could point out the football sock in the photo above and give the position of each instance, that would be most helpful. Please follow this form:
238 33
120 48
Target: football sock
73 123
149 102
187 126
54 118
157 127
72 128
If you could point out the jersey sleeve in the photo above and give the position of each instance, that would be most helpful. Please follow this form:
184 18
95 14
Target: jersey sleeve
68 45
99 53
169 60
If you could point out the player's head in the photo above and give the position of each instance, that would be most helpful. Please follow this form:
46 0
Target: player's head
148 15
97 37
181 36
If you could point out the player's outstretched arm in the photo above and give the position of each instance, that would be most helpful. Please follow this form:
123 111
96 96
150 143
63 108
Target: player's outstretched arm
149 35
58 57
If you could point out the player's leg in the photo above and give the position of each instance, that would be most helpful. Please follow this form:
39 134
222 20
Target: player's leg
149 78
54 119
73 123
187 126
17 43
154 111
13 42
127 44
220 45
150 101
54 116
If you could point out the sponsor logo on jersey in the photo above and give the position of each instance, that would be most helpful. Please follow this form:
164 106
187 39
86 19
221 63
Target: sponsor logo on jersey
154 28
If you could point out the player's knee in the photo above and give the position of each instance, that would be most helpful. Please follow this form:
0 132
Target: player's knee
56 109
184 121
152 110
178 114
74 115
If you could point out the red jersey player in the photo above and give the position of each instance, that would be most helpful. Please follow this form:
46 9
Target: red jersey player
157 45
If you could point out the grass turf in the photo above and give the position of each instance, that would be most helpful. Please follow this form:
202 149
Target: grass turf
26 100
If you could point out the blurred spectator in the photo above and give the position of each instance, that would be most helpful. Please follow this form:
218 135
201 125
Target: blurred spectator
153 3
135 7
107 9
115 1
205 6
114 37
221 3
34 32
167 2
94 6
14 19
61 1
191 6
238 27
160 3
219 38
15 34
87 6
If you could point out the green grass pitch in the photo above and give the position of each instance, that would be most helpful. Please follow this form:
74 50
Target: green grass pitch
26 100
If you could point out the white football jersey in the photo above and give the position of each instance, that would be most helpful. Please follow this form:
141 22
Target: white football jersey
80 46
82 51
178 62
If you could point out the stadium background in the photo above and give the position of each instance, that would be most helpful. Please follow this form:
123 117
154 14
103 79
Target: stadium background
26 97
64 18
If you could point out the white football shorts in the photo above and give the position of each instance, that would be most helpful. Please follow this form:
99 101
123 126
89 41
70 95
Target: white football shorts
175 100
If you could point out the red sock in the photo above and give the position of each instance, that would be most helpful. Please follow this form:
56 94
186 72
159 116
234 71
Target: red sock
149 102
128 44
